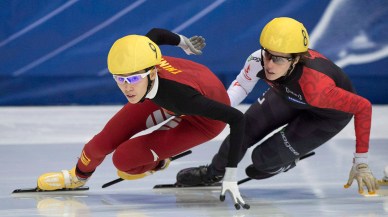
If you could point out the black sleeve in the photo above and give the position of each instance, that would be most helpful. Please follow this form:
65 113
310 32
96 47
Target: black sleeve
184 100
163 37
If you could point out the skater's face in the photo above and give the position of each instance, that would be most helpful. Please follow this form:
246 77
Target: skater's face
134 85
276 64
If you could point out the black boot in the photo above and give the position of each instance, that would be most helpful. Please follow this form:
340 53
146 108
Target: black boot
198 176
253 173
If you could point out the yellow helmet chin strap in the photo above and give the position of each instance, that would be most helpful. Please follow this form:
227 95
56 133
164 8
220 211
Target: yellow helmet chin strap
149 85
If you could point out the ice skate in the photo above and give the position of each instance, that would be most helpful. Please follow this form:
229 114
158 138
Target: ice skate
161 166
383 187
66 179
382 190
198 176
384 181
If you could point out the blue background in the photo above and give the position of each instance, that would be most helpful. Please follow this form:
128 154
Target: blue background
53 52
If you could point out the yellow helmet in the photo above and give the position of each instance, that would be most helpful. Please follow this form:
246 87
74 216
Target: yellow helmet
285 35
133 53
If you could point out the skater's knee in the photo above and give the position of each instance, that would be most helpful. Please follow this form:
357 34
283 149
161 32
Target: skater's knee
123 160
259 162
264 160
261 165
123 164
118 161
272 165
132 162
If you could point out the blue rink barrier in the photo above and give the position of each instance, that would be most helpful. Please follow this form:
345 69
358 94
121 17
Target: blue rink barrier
54 52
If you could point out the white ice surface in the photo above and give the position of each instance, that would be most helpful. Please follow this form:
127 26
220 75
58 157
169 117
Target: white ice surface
35 140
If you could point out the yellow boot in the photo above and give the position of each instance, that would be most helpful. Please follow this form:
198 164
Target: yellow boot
383 182
60 180
161 166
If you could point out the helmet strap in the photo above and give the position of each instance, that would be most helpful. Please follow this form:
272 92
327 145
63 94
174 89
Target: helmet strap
148 88
290 69
262 58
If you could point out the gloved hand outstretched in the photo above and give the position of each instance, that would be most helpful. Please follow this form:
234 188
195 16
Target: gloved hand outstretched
194 45
230 184
361 172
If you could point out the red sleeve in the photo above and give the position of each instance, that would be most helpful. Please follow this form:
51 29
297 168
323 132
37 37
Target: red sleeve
320 91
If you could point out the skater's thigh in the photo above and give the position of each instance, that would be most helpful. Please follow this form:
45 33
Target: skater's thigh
130 120
177 135
267 114
302 135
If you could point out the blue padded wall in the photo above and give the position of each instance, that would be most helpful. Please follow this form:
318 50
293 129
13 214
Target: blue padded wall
54 52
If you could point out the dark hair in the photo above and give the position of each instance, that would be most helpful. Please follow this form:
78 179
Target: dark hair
301 55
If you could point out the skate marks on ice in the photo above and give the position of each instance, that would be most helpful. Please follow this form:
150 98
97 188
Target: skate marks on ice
297 201
303 191
201 202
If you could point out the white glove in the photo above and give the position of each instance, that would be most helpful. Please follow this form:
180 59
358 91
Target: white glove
230 184
361 172
194 45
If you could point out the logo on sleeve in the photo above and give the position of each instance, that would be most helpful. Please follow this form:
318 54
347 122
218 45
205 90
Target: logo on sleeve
236 84
246 71
256 59
85 159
